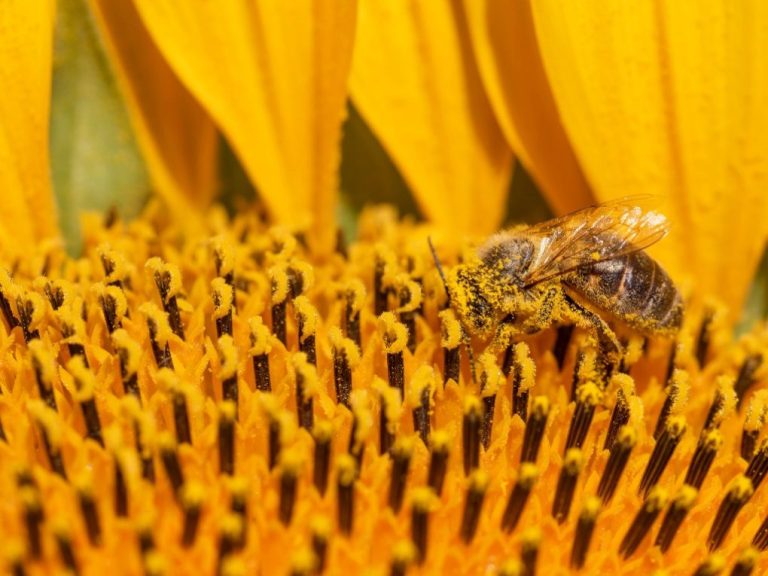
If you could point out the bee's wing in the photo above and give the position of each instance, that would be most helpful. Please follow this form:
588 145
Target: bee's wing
591 235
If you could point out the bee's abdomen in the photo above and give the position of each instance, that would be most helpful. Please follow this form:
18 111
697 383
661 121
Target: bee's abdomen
634 288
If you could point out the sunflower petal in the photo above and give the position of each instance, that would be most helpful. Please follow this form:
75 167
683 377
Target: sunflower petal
273 75
415 83
178 139
510 65
668 98
26 47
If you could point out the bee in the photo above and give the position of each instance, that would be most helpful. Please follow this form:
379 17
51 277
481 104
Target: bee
576 269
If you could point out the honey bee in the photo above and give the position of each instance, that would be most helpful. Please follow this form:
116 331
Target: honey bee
569 270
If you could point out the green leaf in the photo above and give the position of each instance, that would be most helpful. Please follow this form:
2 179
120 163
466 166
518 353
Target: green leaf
95 160
368 176
756 306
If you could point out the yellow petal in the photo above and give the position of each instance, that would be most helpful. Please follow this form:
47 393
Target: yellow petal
26 44
509 60
668 98
177 138
273 75
415 83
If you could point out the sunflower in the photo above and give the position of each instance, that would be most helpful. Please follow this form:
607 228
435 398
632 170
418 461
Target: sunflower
196 390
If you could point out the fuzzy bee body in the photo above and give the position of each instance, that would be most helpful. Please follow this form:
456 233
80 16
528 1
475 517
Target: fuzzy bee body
573 269
633 288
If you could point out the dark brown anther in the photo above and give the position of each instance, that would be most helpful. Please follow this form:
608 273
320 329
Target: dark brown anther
746 377
85 383
421 420
587 398
32 514
223 296
274 442
566 484
169 456
227 438
712 566
346 472
451 336
30 309
6 289
423 501
145 537
471 433
530 540
115 267
192 497
704 337
401 453
281 292
261 346
738 494
753 423
672 362
159 331
230 533
746 562
323 434
523 379
3 437
90 515
307 319
140 422
354 297
662 453
114 307
228 371
290 465
238 488
706 449
169 381
121 489
49 430
404 554
518 497
562 341
409 297
644 519
723 403
473 505
306 388
617 463
345 356
758 465
534 429
66 551
673 519
380 292
490 381
619 418
394 336
321 534
581 359
390 405
129 353
44 366
584 530
760 541
439 450
168 281
677 395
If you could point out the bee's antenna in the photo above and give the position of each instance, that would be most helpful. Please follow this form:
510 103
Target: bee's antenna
465 336
439 267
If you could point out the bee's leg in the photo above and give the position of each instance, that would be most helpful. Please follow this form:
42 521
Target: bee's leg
609 344
547 308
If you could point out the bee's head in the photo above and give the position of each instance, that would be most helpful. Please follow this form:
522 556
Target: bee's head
507 256
473 299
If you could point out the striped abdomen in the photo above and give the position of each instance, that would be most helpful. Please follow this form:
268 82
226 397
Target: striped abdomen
633 288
